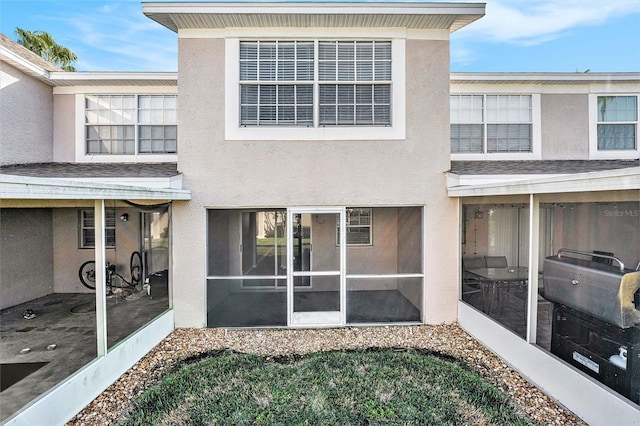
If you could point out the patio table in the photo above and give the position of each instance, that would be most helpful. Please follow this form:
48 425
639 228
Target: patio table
492 277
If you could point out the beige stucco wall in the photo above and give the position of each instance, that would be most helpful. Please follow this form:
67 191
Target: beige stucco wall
67 256
26 118
234 174
26 254
565 126
64 129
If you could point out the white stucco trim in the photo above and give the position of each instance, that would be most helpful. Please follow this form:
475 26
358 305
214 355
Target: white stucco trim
608 180
397 131
590 400
594 152
26 187
62 402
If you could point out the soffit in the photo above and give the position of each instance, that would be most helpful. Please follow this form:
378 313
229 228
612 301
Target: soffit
179 16
137 79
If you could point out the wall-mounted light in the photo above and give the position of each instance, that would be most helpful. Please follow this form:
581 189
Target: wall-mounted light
124 217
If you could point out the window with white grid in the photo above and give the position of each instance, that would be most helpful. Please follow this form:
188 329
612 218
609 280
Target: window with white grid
617 122
87 225
279 84
358 227
276 83
130 124
355 83
491 123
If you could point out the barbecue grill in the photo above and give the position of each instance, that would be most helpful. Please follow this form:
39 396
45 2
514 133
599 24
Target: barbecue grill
596 321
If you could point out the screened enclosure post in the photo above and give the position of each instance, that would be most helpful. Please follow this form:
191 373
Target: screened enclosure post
534 247
101 284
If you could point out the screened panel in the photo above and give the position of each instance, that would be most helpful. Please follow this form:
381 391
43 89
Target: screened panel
384 300
228 307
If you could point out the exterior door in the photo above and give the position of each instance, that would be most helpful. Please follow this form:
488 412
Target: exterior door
315 278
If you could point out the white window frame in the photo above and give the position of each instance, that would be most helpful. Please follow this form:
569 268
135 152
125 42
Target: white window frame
89 230
348 226
81 155
617 154
536 131
396 131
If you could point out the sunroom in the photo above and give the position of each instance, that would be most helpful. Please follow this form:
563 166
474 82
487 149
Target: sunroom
323 266
549 278
69 328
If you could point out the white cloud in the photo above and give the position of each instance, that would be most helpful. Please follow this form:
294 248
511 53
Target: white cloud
532 22
120 32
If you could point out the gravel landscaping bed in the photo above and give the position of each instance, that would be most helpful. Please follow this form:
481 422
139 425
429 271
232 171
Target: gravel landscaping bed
183 343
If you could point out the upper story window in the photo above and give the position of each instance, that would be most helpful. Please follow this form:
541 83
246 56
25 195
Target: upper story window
315 83
491 124
130 124
617 122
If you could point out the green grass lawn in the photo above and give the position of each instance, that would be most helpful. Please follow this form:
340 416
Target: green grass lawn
378 386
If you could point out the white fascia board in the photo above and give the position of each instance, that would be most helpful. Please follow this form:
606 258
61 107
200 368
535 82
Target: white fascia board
112 75
26 187
608 180
25 65
542 77
307 8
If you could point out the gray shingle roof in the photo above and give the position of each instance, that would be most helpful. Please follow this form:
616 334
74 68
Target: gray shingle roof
542 167
19 50
92 170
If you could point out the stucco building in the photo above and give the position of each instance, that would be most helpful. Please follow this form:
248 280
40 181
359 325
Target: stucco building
309 165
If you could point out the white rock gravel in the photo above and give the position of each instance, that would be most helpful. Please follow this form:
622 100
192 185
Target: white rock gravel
110 406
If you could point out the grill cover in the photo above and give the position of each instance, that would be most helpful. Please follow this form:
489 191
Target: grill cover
597 289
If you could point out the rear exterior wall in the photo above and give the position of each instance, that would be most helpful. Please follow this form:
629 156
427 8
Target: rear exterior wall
237 174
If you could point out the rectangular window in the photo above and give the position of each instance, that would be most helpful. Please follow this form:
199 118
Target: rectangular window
491 123
617 122
358 227
278 83
131 124
87 228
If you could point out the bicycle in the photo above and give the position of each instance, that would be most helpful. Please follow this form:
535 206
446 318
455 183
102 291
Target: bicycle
87 274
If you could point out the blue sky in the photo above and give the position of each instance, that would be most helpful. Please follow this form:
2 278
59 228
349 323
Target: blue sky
514 36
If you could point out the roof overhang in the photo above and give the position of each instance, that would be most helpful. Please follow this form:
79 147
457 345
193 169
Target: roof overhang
32 188
101 79
210 15
609 180
543 78
19 62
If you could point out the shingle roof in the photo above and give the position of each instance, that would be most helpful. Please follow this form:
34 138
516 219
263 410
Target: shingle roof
533 167
25 53
92 170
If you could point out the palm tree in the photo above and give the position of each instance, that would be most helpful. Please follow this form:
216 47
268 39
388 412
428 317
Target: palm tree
43 44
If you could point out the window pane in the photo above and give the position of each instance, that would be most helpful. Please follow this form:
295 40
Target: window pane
508 138
617 108
466 138
616 136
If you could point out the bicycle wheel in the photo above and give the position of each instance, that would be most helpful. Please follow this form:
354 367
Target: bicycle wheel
87 274
136 268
